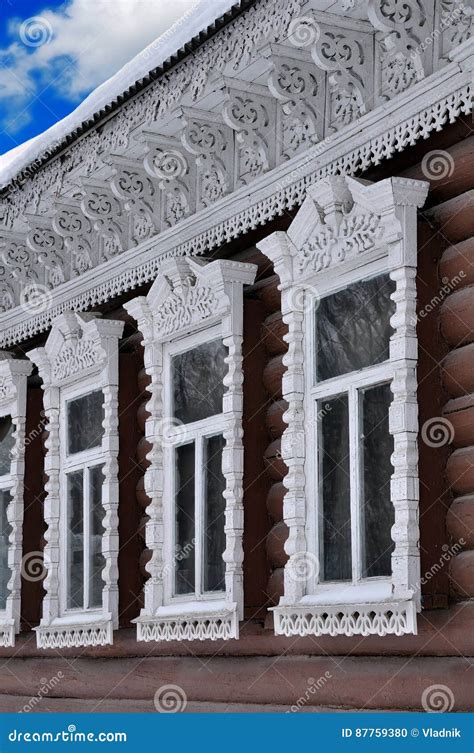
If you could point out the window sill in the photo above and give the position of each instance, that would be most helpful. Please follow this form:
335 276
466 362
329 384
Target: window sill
366 609
75 631
190 621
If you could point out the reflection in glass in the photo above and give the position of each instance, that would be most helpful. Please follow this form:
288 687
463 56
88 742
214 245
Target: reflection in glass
335 511
214 515
353 327
84 422
7 442
377 510
185 519
5 529
96 558
198 381
75 540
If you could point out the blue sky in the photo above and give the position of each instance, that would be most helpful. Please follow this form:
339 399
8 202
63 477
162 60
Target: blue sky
52 54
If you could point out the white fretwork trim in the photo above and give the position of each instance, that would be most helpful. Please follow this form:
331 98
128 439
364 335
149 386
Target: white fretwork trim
213 626
392 618
81 352
7 634
75 636
189 296
426 107
347 230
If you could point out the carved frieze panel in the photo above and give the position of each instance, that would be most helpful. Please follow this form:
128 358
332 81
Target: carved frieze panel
47 247
212 143
453 25
299 87
345 52
167 162
139 195
251 114
103 209
403 55
70 223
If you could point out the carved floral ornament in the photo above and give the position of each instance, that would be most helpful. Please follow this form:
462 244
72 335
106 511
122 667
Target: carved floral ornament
202 132
348 230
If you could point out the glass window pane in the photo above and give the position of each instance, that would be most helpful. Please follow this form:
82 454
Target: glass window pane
75 540
198 382
96 558
353 327
377 512
335 512
214 516
6 443
185 526
5 529
84 422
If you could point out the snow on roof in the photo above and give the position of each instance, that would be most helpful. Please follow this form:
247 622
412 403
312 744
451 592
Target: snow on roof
198 19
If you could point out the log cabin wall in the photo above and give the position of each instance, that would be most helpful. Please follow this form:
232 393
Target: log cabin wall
446 382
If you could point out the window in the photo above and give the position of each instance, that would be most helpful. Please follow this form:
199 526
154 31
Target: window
351 399
13 383
79 368
192 323
82 481
193 468
347 267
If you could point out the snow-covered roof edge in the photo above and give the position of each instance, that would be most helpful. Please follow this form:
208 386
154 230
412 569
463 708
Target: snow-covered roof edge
191 30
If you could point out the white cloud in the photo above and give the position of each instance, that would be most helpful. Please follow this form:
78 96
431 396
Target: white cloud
75 47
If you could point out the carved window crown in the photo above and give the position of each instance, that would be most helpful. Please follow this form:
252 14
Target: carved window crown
349 236
192 323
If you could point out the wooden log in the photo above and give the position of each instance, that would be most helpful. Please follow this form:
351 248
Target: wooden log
274 418
143 380
461 574
275 587
270 294
460 520
273 329
455 217
457 317
460 471
272 377
142 498
275 544
142 415
456 171
460 413
275 498
458 371
457 264
274 465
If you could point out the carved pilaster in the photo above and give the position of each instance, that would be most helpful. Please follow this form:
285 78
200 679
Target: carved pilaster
13 384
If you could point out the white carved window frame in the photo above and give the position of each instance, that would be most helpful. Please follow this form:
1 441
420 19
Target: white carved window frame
13 386
349 230
191 302
80 356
